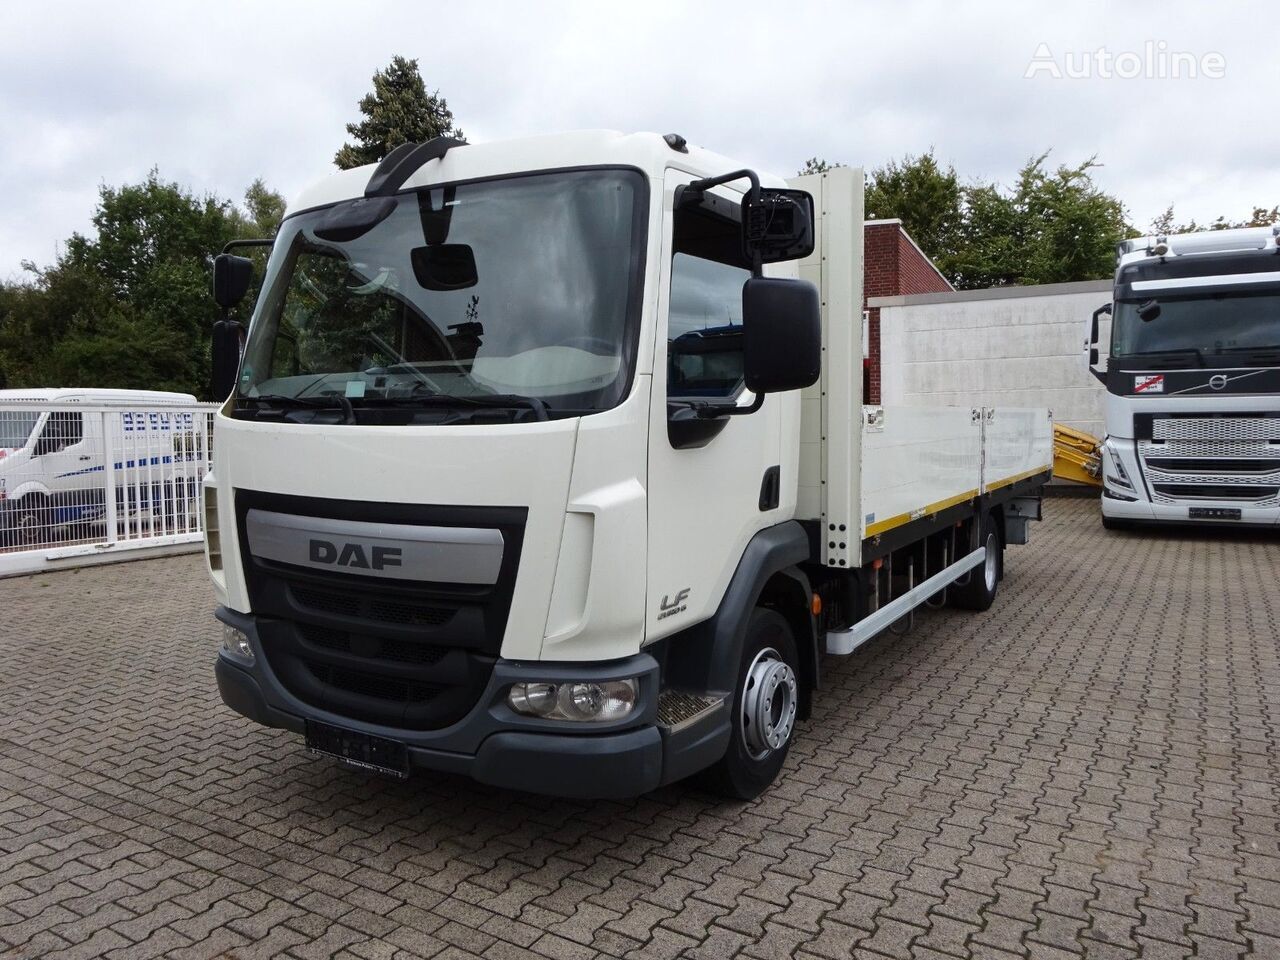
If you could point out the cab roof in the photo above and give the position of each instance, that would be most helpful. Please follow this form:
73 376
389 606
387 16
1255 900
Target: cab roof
649 152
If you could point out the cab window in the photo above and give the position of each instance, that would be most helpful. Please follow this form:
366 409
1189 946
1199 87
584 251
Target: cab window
61 430
704 325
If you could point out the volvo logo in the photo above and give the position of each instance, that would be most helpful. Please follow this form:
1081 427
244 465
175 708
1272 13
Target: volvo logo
1218 381
353 555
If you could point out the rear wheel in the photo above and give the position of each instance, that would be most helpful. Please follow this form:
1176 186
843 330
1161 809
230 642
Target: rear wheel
979 591
765 705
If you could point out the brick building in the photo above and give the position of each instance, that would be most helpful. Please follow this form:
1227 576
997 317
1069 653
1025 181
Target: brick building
893 266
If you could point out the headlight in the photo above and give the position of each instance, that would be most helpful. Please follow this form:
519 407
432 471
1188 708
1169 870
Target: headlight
236 642
589 701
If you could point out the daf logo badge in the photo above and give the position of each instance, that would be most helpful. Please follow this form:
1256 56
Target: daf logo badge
1218 381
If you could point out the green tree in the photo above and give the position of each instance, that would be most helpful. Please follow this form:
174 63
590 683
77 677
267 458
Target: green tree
926 197
263 210
1261 217
399 110
128 304
1053 227
817 165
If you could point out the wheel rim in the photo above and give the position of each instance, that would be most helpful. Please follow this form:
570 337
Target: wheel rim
769 697
28 527
989 563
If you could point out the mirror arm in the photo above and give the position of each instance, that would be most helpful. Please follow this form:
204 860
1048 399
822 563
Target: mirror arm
253 242
692 193
712 411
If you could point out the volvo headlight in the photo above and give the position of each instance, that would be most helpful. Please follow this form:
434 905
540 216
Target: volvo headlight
590 701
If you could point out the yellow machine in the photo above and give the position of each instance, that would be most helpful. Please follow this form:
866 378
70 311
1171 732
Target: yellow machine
1077 455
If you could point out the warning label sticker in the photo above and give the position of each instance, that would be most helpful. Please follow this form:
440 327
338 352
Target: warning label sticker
1149 383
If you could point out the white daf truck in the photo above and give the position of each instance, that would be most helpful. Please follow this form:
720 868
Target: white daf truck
1193 380
546 463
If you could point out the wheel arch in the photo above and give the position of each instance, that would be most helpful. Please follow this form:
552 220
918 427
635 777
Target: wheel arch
706 656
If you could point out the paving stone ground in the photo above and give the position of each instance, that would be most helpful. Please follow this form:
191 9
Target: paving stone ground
1088 770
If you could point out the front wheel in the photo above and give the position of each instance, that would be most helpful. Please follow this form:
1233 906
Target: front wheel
979 591
765 705
30 522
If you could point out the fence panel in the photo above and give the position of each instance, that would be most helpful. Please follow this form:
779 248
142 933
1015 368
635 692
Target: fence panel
84 480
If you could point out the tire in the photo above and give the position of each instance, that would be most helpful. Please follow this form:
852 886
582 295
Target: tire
29 525
979 591
765 704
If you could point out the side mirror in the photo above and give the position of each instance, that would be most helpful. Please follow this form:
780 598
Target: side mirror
777 225
225 357
782 334
231 276
1092 344
444 266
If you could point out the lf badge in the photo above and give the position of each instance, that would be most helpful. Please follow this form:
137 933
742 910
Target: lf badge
673 605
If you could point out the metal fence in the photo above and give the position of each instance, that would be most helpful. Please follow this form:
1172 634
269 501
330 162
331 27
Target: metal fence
87 480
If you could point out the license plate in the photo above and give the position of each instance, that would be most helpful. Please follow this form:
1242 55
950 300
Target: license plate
360 750
1213 513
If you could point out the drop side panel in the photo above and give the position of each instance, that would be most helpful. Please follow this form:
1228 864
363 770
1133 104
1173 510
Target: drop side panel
917 461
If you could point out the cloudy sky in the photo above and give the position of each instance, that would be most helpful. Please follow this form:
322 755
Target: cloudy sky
216 94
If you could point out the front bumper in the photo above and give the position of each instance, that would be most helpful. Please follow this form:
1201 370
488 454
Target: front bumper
494 745
1163 513
1126 496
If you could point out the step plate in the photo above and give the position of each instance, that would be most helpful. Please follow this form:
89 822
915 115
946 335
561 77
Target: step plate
678 707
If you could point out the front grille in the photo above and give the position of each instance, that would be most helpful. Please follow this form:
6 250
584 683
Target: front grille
1215 428
1211 465
1232 457
376 648
350 603
1215 491
406 654
373 685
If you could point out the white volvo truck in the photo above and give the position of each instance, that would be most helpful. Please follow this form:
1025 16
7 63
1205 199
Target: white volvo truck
546 463
1193 380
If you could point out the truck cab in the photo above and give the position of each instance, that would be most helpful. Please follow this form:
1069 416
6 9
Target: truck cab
543 465
1192 373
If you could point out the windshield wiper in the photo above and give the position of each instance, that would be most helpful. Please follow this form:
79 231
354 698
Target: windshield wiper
311 403
1267 354
490 400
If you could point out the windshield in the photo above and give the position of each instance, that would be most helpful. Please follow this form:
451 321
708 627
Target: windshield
16 427
525 287
1231 324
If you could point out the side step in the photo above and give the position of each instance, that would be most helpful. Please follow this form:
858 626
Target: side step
679 708
843 642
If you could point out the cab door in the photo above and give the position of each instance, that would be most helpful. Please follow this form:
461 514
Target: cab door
706 479
66 466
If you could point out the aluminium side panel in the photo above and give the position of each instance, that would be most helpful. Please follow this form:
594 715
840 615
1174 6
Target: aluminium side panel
917 461
831 417
1018 444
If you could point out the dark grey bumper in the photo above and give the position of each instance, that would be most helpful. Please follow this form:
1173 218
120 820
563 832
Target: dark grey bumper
491 744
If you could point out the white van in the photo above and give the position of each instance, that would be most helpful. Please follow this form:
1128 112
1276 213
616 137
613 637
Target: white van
53 461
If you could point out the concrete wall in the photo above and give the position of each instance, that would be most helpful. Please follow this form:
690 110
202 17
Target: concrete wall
1009 346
